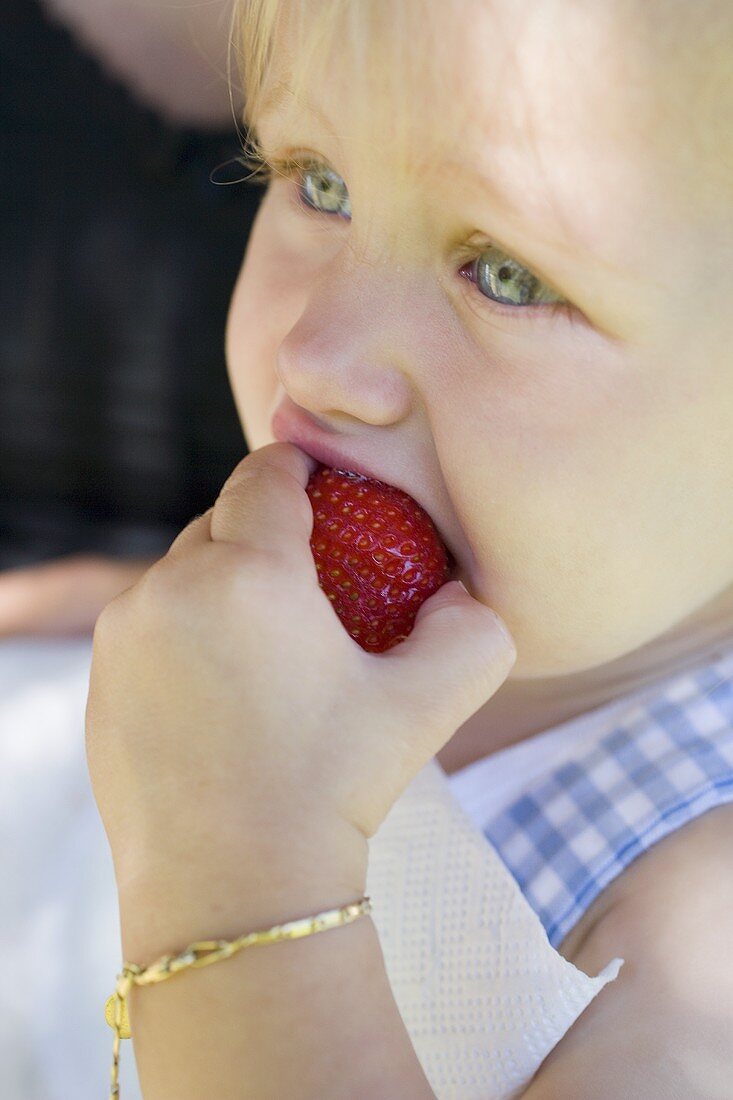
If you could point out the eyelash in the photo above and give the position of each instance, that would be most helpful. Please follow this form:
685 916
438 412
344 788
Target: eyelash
275 168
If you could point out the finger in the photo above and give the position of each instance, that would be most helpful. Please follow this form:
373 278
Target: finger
264 505
195 533
455 659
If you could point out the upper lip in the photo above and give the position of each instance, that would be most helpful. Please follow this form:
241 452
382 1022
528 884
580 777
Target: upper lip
291 424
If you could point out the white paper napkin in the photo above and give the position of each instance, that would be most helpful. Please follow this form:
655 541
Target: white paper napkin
482 993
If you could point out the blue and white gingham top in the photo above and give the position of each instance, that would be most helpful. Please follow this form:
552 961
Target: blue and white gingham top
568 809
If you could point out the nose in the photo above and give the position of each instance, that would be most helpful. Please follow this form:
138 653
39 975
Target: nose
341 357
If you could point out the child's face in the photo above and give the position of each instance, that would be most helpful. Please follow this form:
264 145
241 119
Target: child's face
577 459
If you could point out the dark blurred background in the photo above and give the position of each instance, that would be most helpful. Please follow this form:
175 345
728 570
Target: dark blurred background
118 256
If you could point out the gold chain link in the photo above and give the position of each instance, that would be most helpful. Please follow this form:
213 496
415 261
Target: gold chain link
203 953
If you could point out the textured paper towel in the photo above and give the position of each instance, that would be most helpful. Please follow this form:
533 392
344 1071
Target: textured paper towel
482 993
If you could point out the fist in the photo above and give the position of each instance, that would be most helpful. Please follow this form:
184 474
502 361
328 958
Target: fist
228 704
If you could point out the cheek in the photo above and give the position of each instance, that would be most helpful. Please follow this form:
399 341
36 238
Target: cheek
593 511
267 301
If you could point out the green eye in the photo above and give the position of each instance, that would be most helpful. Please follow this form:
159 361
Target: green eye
505 280
324 190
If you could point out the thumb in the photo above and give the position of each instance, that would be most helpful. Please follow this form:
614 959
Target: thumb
456 658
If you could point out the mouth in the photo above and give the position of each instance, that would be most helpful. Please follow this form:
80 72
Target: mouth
293 425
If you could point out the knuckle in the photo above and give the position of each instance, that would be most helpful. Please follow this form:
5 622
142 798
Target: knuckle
212 580
209 582
247 571
180 542
109 621
139 608
166 581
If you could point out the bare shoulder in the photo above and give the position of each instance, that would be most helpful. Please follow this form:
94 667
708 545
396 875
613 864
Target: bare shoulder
664 1027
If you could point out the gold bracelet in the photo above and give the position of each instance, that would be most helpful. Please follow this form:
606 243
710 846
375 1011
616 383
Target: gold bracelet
203 953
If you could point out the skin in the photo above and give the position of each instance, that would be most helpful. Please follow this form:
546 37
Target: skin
579 466
377 340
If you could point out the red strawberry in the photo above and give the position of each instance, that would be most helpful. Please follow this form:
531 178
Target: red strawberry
378 555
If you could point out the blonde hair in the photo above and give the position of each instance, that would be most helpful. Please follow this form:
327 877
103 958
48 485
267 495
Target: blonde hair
279 48
390 47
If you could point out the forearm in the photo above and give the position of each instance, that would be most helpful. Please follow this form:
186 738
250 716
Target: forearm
307 1018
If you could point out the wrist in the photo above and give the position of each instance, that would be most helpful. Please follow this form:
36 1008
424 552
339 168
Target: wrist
166 903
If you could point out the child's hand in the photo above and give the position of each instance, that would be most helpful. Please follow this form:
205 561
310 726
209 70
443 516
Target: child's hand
226 696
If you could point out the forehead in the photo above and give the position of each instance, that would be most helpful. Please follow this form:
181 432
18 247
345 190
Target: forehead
568 106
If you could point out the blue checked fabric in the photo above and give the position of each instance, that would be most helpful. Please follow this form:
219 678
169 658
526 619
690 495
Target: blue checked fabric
575 828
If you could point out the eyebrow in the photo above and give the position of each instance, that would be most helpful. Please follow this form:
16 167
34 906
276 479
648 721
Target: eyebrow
484 183
276 98
278 94
545 222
